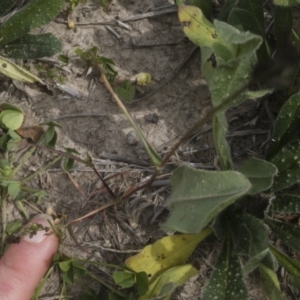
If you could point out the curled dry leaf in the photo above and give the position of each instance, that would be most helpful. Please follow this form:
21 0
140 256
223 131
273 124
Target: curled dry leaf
32 132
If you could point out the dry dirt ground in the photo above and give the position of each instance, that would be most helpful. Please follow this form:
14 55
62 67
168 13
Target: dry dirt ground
154 44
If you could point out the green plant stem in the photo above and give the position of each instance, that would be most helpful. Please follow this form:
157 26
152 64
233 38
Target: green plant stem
4 218
149 149
41 170
20 165
105 284
22 208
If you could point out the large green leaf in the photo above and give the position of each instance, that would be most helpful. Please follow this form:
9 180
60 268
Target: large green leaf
270 283
286 204
288 233
286 126
33 15
254 262
6 6
260 173
198 196
33 46
226 282
287 161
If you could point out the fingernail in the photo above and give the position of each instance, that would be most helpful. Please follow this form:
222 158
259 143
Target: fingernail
40 235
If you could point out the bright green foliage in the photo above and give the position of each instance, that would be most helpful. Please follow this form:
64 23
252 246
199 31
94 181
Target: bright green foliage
204 5
124 279
270 283
260 173
33 46
226 282
198 196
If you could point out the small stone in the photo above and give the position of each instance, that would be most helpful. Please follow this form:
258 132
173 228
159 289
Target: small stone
131 138
151 118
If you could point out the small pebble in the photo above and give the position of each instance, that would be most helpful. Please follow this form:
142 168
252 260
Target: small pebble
151 118
131 138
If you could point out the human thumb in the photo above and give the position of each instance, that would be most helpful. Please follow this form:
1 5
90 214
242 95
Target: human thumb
23 265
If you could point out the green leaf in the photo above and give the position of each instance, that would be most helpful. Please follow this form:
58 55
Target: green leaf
286 126
198 196
288 233
270 283
249 16
163 286
254 262
286 204
260 173
202 32
69 162
292 266
165 253
204 5
35 14
226 282
241 237
12 119
124 279
13 189
6 6
14 71
220 128
7 106
287 161
126 91
142 283
33 46
65 265
13 227
259 240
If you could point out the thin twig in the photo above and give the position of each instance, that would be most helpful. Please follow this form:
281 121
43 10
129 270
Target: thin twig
76 116
89 164
131 19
